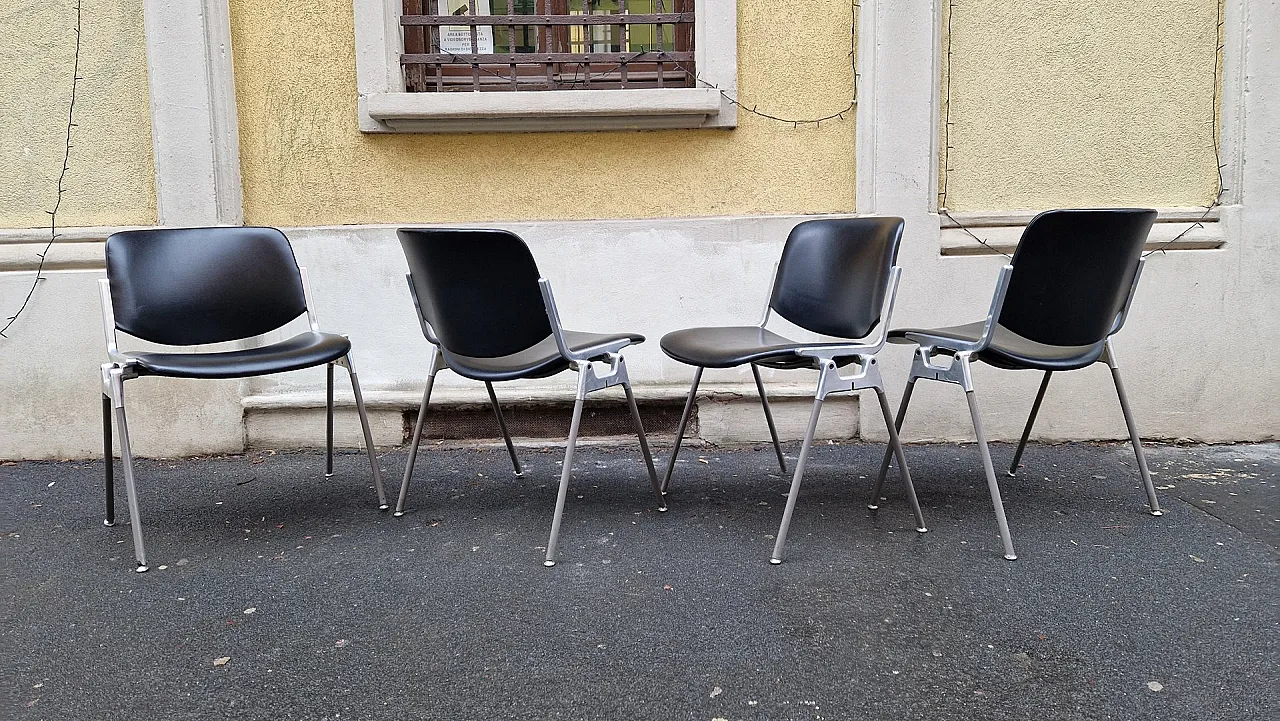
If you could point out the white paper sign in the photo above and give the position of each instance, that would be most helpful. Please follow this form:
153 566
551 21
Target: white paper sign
457 38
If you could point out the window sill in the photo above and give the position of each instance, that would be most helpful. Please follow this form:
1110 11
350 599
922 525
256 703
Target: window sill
564 110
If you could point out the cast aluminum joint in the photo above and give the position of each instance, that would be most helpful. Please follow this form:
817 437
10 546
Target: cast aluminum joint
830 381
590 380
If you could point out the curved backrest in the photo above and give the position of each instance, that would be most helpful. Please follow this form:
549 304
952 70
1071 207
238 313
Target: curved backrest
1072 273
187 286
478 289
834 274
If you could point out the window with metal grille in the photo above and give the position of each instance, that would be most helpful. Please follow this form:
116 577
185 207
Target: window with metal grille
517 45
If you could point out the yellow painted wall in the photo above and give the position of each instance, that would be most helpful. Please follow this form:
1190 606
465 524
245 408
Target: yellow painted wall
304 162
111 178
1058 103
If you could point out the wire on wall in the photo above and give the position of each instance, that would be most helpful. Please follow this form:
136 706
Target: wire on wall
797 122
1216 142
62 175
946 144
1213 123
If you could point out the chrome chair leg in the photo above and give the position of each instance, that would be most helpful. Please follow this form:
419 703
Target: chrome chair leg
1154 503
888 452
684 422
126 456
1031 421
768 417
328 426
644 447
895 445
989 469
109 461
413 443
563 493
502 425
776 557
368 436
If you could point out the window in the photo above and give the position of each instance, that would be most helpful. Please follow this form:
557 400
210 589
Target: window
522 65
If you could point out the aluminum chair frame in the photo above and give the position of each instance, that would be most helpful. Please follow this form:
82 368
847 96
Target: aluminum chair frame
123 367
826 359
589 381
958 372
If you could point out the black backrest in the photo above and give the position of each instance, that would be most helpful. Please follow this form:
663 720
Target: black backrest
187 286
834 274
478 289
1072 273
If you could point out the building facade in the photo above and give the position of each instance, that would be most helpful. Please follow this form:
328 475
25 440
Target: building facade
651 214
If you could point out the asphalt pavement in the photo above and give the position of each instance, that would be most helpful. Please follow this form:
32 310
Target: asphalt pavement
275 593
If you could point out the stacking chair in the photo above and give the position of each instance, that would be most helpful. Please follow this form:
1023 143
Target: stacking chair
192 286
836 278
1057 304
490 316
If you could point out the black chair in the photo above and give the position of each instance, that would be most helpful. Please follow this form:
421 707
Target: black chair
490 316
836 278
193 286
1057 304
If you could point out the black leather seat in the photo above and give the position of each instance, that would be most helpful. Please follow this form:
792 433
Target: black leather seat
490 316
1007 349
196 286
731 346
540 360
305 350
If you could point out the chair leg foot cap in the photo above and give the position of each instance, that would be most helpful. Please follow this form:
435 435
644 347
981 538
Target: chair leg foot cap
329 474
548 564
108 523
141 569
873 506
1010 474
1010 556
1156 512
384 507
398 514
775 561
519 474
662 508
922 529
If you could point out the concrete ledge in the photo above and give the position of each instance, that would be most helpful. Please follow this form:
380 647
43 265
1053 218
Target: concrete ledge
75 248
20 257
1002 230
468 112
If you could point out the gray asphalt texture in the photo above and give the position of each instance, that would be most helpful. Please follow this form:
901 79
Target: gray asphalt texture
328 609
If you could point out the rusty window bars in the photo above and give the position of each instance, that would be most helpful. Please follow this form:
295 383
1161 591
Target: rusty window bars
458 45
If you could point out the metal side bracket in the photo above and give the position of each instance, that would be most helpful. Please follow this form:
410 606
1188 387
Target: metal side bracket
590 381
957 371
830 380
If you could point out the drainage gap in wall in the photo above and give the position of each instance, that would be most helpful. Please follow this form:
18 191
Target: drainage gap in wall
548 421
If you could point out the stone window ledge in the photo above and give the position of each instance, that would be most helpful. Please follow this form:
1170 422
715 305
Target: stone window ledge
462 112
